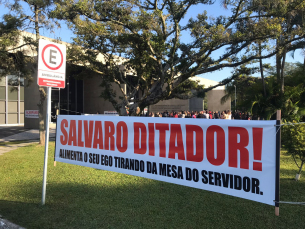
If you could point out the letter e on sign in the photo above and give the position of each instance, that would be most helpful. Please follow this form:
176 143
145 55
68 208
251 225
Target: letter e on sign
51 64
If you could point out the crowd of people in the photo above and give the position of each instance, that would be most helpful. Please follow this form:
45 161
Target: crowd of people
205 114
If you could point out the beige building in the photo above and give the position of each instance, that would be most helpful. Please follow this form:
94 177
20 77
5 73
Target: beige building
196 104
19 103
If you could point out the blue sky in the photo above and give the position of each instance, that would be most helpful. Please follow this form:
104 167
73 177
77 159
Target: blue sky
65 34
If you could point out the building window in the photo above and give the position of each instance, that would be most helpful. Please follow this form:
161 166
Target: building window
11 100
2 93
2 100
2 81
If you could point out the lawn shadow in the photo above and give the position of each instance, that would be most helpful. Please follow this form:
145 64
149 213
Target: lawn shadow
141 203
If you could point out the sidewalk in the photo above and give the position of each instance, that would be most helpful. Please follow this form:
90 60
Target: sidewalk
27 137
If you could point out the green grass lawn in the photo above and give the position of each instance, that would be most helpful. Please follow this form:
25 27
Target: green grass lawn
81 197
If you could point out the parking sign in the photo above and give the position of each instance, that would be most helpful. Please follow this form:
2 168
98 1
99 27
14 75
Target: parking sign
51 64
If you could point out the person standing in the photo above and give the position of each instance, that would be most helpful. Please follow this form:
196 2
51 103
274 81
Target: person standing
229 115
201 115
207 116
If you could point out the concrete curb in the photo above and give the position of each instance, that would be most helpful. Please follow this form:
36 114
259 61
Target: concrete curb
5 224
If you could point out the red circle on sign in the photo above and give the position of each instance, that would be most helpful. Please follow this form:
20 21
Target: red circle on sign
45 63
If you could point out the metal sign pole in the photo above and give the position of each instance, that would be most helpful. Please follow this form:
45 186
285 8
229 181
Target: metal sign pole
45 167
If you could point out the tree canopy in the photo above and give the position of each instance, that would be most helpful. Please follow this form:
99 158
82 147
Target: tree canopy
138 46
14 45
156 64
11 60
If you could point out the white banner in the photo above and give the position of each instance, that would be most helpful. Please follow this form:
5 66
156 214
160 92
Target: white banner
233 157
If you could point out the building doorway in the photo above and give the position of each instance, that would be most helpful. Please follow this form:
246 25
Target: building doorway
68 101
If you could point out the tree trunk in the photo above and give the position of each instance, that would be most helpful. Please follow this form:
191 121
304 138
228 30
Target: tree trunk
42 93
280 66
300 169
282 71
261 62
278 63
262 70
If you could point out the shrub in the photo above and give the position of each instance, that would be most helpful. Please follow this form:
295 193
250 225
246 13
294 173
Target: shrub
293 140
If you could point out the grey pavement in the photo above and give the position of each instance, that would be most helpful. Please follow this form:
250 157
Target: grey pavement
26 136
10 130
18 133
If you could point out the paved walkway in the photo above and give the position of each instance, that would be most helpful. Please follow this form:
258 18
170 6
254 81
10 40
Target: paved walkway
10 130
27 136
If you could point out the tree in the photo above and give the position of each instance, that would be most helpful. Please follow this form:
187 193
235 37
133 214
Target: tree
141 46
292 22
293 135
36 19
254 101
248 91
11 60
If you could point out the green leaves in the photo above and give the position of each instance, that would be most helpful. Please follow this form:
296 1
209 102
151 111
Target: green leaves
293 136
11 60
250 96
145 37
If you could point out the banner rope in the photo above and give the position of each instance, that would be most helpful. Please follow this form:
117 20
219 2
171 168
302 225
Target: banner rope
70 110
288 124
289 202
55 116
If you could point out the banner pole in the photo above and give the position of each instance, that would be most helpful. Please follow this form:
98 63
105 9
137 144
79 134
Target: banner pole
55 138
277 161
45 167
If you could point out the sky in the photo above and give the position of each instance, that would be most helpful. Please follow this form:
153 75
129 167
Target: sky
65 34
